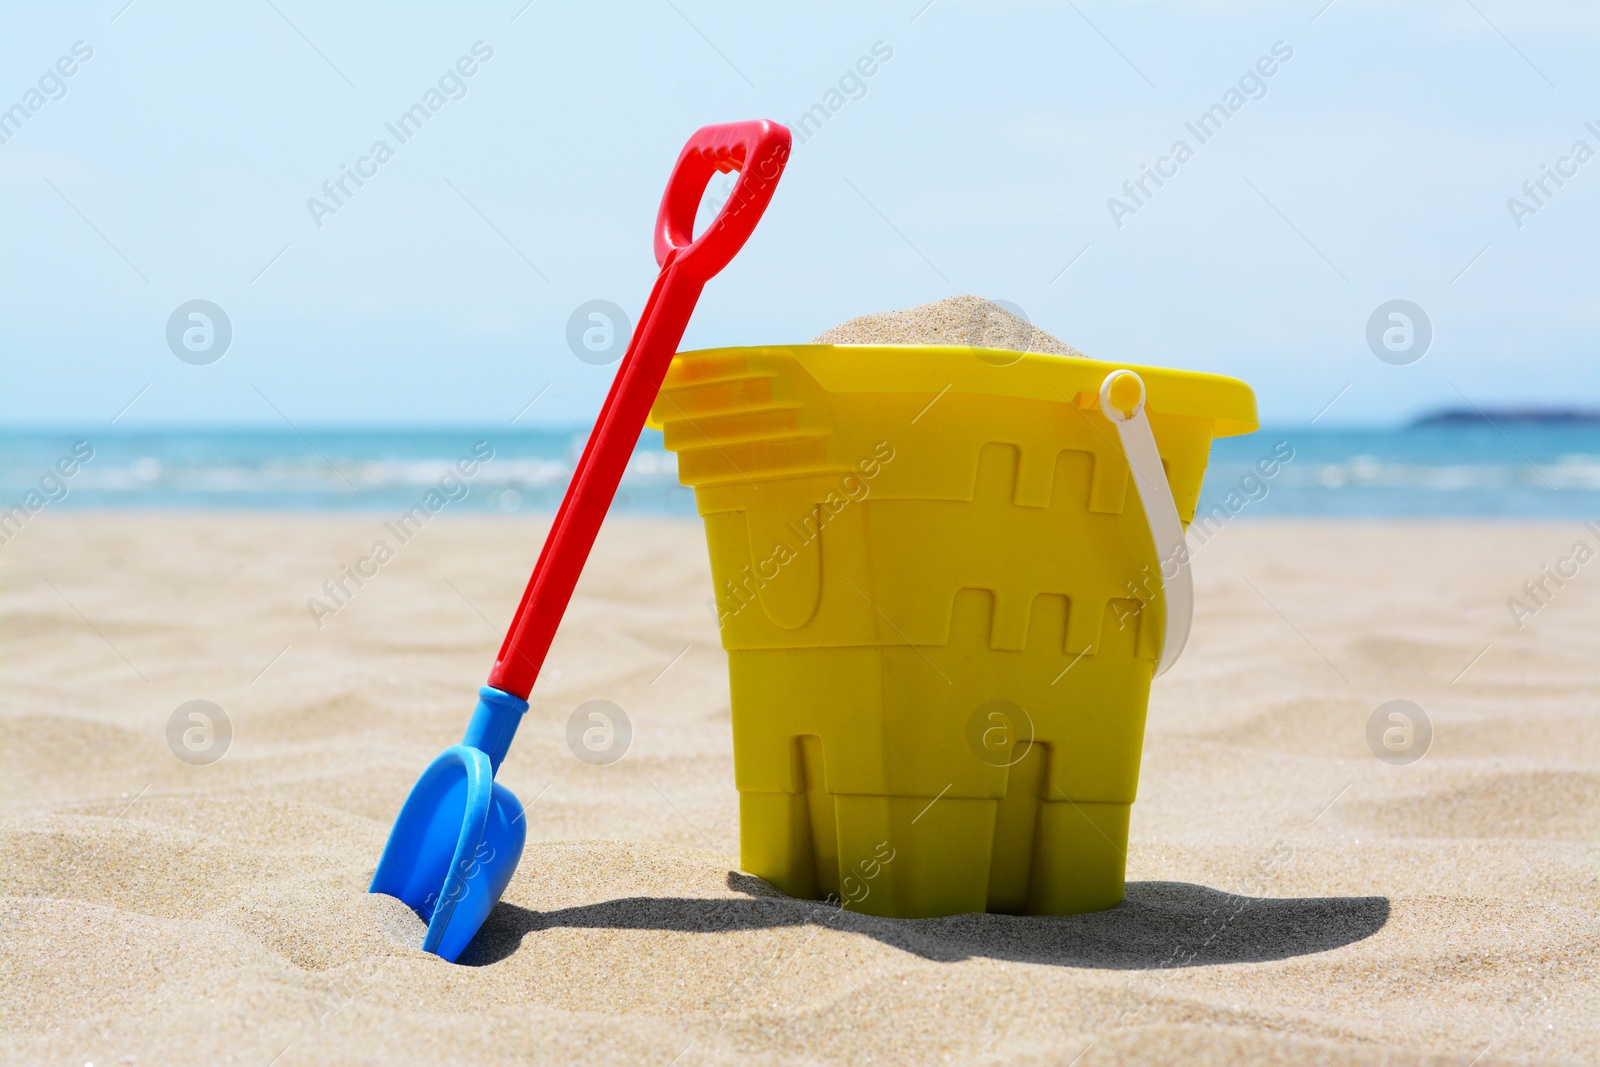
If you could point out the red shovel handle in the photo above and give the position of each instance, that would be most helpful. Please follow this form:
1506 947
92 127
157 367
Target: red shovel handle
758 150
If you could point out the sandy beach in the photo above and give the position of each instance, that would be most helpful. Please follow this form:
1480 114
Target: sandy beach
1291 898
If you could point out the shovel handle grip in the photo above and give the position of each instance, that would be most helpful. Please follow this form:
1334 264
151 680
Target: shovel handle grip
758 150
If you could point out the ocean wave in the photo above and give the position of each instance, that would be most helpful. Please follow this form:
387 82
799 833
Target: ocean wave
299 475
1577 472
1451 471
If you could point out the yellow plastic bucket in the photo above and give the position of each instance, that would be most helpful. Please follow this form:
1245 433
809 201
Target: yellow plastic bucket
937 595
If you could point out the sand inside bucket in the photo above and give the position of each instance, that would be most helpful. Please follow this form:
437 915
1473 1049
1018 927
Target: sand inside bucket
958 320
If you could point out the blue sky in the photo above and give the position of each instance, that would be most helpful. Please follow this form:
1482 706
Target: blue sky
1377 165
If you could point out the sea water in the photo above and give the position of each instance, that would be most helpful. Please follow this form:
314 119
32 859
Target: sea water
1470 470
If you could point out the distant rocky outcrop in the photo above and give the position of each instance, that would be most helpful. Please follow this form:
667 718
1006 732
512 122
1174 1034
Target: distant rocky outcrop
1511 416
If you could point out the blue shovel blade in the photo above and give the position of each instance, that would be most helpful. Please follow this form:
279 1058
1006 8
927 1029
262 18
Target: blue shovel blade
453 848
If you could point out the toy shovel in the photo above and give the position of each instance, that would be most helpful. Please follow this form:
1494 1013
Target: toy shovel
460 834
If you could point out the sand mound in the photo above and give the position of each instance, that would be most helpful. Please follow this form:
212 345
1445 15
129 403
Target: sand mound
959 320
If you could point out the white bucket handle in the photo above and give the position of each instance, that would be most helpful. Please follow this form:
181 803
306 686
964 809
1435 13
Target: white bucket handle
1161 511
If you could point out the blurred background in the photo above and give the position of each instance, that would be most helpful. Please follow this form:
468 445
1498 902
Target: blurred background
1382 218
